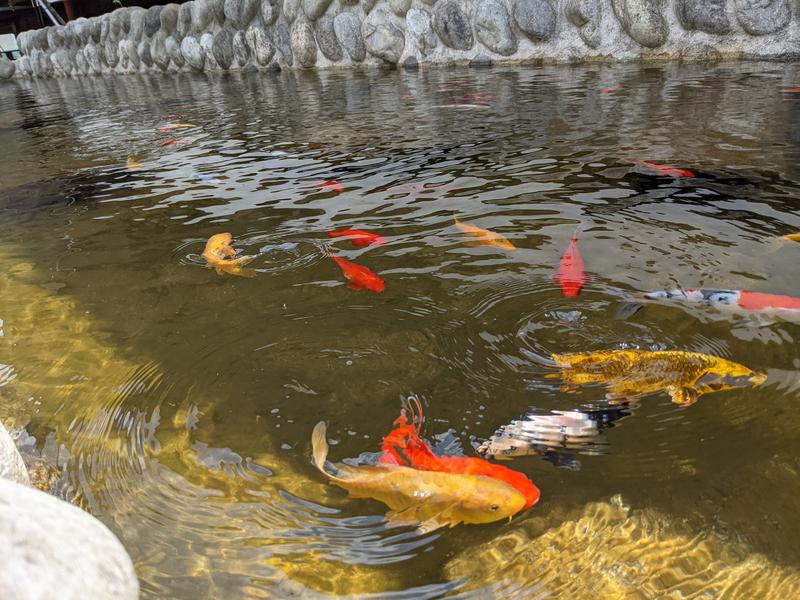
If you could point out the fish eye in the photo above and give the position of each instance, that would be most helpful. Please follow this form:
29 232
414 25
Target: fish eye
494 507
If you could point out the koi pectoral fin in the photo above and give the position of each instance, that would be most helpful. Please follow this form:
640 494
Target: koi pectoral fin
683 396
628 310
433 524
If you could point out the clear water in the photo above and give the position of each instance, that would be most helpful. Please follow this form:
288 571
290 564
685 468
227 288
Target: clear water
178 403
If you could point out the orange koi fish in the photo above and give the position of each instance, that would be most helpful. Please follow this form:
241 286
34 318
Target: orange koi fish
570 275
331 186
167 128
132 164
360 278
358 237
484 236
792 237
665 170
403 445
217 253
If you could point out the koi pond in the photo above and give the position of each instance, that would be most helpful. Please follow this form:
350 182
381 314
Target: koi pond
514 217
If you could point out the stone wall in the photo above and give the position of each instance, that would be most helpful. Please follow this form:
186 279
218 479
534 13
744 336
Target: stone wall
212 35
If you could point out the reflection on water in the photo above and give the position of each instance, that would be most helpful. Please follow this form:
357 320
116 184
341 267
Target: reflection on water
176 404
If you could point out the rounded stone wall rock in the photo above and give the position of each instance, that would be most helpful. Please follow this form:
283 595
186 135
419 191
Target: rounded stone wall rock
173 48
80 65
347 27
92 59
62 67
202 15
22 43
42 65
269 11
761 17
419 26
585 15
381 38
452 25
223 48
111 53
260 44
239 13
143 50
536 19
55 37
280 37
152 20
207 44
158 51
124 15
314 9
192 53
41 38
25 66
703 15
137 24
241 51
642 21
493 27
400 7
326 39
95 29
304 46
114 25
50 545
184 25
169 18
12 467
218 6
290 10
105 24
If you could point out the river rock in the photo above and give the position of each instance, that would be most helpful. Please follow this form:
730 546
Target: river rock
269 11
111 54
241 52
290 10
55 37
400 7
223 48
239 13
136 24
260 44
169 18
184 25
493 27
642 21
347 27
152 20
158 51
42 67
703 15
585 15
192 53
12 467
419 25
381 38
143 50
280 37
62 67
92 58
52 549
207 44
202 15
114 26
82 28
40 36
761 17
452 25
326 39
95 29
304 46
536 19
314 9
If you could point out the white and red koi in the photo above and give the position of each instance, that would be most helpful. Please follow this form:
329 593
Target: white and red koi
764 305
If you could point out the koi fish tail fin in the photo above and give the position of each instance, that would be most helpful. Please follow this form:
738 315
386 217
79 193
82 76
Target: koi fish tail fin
319 447
576 233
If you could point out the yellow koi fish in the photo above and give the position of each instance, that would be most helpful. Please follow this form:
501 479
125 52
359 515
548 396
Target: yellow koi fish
685 376
484 236
217 253
132 164
792 237
428 499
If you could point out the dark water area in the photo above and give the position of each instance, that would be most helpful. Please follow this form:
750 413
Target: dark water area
178 403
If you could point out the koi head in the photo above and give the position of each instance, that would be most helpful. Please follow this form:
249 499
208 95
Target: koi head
490 500
727 375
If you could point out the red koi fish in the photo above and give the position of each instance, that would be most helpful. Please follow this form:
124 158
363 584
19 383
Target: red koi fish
611 90
664 170
418 454
358 237
331 186
175 142
360 278
570 275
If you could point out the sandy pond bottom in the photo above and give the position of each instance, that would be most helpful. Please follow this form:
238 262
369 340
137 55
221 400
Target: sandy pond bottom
176 404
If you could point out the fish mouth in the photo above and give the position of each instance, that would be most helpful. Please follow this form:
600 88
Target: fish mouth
758 379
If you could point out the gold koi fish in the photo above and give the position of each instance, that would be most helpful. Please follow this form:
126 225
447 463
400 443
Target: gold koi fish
217 253
484 236
428 499
685 376
792 237
132 164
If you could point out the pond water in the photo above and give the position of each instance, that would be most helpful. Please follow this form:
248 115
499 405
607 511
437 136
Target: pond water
177 404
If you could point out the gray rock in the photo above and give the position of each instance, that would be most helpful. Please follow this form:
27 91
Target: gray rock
137 24
223 48
207 44
493 27
368 5
70 34
95 29
585 15
218 6
114 25
241 51
260 44
111 53
62 67
290 10
12 467
536 19
83 28
173 48
761 17
128 57
105 25
381 38
480 62
193 53
269 11
700 53
55 37
202 15
158 51
152 20
304 46
52 549
429 2
22 42
347 27
400 7
326 39
642 21
25 66
184 25
348 2
169 18
411 63
452 25
143 50
40 36
280 37
314 9
419 25
239 13
703 15
92 58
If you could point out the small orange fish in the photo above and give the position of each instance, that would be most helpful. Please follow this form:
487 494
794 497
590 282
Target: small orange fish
570 275
217 253
331 186
360 278
484 236
665 170
132 164
167 128
358 237
792 237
